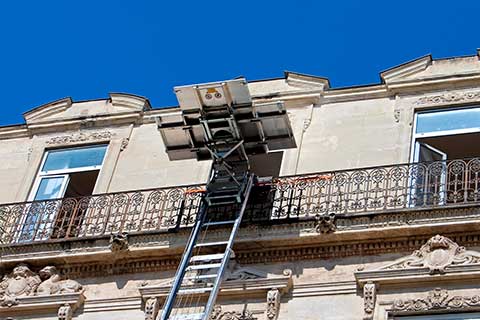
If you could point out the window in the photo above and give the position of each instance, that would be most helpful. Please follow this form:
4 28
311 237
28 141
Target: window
440 136
446 134
64 173
458 316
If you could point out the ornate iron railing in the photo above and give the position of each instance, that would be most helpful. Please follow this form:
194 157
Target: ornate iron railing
366 190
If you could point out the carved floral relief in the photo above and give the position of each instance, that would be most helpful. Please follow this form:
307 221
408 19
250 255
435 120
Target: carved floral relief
449 98
437 254
438 299
80 137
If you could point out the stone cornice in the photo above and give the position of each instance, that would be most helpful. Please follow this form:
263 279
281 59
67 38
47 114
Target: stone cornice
397 73
363 235
48 109
418 275
40 304
236 288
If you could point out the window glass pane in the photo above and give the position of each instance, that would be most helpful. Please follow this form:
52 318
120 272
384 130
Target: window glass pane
448 120
49 188
74 158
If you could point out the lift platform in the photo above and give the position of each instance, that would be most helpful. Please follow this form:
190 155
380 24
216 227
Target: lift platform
218 122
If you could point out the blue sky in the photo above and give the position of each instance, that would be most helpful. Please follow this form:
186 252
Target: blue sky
85 49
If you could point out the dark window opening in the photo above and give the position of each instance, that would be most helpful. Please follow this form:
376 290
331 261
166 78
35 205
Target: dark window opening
72 211
81 184
267 164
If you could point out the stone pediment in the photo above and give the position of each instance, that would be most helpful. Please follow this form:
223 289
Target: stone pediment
67 109
406 70
235 282
425 68
437 254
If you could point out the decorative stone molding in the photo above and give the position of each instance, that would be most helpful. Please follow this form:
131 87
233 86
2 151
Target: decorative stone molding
19 283
53 283
22 282
217 314
65 312
272 286
397 115
437 254
97 263
55 303
369 297
130 101
450 97
325 223
438 299
80 137
119 242
124 143
152 306
273 304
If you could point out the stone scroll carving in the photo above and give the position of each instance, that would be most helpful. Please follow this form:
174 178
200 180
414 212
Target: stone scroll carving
23 282
218 314
437 254
438 299
65 312
369 297
152 306
273 304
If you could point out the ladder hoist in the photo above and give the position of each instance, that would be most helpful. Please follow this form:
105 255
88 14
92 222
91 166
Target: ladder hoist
218 121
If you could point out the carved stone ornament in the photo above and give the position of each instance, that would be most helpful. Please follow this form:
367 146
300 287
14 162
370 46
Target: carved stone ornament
22 282
119 242
152 306
437 254
124 144
438 299
325 223
449 98
80 137
369 297
65 312
53 283
273 304
19 283
217 314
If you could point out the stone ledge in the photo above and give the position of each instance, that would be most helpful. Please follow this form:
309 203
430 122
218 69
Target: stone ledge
230 289
42 304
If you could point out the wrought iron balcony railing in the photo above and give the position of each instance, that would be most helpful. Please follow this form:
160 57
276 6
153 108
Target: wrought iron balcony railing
366 190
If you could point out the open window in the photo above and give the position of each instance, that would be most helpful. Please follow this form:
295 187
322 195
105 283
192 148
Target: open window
441 136
64 173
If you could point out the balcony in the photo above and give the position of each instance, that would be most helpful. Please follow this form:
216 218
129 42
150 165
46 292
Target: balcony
342 193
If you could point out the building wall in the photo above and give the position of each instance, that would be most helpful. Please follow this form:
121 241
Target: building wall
331 272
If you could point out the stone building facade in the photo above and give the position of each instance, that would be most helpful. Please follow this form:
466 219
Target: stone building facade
374 215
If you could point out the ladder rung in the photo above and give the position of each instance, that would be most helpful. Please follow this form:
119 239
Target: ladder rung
218 223
201 277
194 290
193 316
207 257
204 266
211 244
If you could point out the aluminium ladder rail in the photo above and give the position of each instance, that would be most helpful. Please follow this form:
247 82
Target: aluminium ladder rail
201 265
